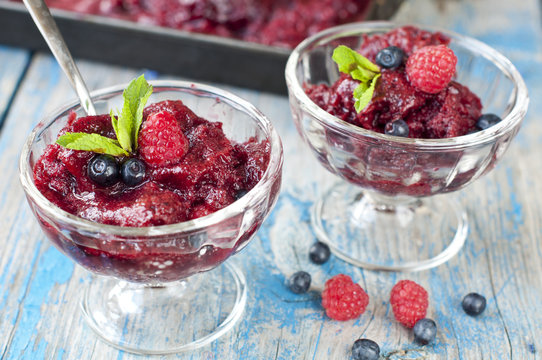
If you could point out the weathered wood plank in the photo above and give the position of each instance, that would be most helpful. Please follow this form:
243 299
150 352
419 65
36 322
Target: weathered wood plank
40 288
14 62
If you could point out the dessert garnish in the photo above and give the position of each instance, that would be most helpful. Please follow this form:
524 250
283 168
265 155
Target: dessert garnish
162 141
397 128
147 165
126 125
359 68
103 169
402 77
390 57
132 172
431 68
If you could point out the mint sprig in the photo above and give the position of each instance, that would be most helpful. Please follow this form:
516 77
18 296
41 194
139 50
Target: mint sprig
126 125
91 142
359 68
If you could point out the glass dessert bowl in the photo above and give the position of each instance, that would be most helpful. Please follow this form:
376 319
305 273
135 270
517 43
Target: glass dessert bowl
388 214
156 294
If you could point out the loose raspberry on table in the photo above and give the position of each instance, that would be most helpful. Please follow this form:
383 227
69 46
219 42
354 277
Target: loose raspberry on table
343 299
409 302
161 140
431 68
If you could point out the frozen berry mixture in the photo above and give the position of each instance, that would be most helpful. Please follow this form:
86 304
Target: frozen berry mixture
192 170
184 168
273 22
430 105
415 95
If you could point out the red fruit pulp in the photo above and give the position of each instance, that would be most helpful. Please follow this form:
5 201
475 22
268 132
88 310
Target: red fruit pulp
207 178
392 169
452 112
210 176
273 22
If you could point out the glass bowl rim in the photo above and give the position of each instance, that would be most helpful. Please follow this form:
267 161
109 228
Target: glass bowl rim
250 199
508 123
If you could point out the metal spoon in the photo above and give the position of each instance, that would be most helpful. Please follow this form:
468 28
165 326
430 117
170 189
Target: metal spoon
47 26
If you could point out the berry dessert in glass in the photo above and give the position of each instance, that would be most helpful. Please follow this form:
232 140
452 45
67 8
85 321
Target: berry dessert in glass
402 114
152 197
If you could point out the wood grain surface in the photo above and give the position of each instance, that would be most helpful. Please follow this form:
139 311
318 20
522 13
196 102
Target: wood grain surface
40 288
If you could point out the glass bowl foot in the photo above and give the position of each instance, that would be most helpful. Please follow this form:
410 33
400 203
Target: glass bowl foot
389 236
168 318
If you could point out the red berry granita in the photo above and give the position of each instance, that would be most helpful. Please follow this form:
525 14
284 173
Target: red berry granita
282 23
400 83
414 94
157 167
192 170
397 111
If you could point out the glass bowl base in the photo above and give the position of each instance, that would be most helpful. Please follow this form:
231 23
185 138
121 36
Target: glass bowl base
168 318
389 236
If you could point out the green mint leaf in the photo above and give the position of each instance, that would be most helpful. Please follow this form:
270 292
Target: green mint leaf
129 120
126 124
359 68
91 142
363 94
114 121
353 63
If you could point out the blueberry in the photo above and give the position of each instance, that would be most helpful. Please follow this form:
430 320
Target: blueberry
365 349
319 253
132 172
299 282
390 57
474 304
239 194
103 170
487 120
425 331
397 128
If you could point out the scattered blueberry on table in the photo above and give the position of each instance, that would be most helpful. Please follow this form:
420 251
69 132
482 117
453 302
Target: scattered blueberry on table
474 304
365 349
425 331
319 253
299 282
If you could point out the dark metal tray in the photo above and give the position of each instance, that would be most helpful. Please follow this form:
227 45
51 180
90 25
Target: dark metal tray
197 56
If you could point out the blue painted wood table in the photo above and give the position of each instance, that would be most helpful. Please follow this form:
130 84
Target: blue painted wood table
40 287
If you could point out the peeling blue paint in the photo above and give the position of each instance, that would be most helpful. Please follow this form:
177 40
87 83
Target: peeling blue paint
53 268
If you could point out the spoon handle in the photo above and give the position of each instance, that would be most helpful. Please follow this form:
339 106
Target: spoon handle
47 26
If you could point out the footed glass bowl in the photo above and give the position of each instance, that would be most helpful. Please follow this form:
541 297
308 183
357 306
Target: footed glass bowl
156 295
386 215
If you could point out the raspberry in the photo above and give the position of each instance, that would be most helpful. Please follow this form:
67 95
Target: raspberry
409 302
343 299
161 140
431 68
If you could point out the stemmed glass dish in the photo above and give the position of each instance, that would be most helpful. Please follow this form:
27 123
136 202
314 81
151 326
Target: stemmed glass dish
386 216
156 295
